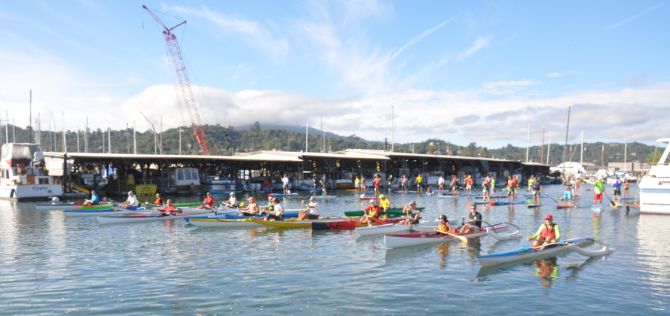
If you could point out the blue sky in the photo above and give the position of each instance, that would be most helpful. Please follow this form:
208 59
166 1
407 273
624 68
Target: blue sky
463 71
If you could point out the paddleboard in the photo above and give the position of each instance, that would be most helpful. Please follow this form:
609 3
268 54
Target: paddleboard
596 209
534 205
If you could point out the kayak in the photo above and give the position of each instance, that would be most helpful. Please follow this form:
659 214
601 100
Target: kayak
66 206
528 253
500 231
393 241
283 194
381 229
91 212
134 218
221 222
316 224
392 212
369 198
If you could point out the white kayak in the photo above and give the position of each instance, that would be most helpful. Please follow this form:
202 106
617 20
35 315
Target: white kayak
222 222
501 231
98 212
529 253
381 229
393 241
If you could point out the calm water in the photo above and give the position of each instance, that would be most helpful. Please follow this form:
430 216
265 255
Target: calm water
51 264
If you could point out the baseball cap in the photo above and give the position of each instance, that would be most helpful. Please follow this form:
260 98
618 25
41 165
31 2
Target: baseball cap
548 217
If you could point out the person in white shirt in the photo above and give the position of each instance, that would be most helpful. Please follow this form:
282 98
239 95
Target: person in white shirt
285 181
311 212
278 211
232 201
130 202
440 183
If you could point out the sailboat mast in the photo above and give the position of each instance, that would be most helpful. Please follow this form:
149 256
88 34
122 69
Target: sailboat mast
548 151
392 128
581 151
307 136
528 143
625 154
567 131
542 147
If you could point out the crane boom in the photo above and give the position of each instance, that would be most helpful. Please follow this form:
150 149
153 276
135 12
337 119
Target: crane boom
185 91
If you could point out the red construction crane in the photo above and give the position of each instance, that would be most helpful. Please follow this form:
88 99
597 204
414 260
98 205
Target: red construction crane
186 92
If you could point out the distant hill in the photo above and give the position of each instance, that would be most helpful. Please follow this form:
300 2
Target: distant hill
253 137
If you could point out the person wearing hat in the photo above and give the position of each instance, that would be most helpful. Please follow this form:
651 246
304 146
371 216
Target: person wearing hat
413 216
474 222
444 227
372 213
158 201
131 201
548 233
384 204
311 212
231 202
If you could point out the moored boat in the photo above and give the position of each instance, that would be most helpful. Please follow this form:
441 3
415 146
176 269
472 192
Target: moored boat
23 173
655 185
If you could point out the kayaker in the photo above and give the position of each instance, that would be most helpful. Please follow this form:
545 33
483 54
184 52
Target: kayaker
278 214
95 199
131 201
208 202
443 226
474 222
384 204
548 233
231 202
251 209
158 201
311 211
372 213
169 208
413 216
598 189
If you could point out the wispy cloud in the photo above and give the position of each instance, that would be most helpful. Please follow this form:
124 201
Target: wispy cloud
559 74
263 35
634 17
417 39
480 43
507 87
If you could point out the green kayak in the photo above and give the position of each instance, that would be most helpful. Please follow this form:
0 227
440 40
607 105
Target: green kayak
392 212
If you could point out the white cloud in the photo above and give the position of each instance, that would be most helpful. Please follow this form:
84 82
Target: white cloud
263 35
480 43
507 87
559 74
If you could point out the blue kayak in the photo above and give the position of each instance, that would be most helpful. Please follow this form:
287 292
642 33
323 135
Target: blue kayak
528 253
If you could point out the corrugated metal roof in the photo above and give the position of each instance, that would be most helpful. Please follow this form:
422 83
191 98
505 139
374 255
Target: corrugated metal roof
346 154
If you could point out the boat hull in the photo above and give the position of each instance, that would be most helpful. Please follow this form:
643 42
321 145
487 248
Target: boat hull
527 253
222 223
382 229
393 241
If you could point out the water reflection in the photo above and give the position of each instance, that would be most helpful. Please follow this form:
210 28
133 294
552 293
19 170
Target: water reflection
442 250
546 270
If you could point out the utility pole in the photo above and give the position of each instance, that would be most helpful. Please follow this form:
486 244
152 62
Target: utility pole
109 140
392 128
528 143
30 119
86 136
180 140
542 147
134 140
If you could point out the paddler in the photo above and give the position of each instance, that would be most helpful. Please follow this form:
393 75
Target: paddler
443 227
474 222
278 214
231 202
372 213
251 209
158 201
169 208
413 216
384 203
598 189
208 202
130 202
548 233
311 211
95 199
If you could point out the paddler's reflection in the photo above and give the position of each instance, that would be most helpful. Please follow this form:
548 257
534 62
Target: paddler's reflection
442 250
546 270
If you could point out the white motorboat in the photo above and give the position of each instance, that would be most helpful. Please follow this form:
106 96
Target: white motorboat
655 186
23 175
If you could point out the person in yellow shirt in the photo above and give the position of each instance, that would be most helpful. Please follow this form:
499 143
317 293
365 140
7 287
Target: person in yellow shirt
384 204
419 181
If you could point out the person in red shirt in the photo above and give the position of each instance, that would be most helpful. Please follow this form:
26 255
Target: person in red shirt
169 208
372 213
158 201
208 203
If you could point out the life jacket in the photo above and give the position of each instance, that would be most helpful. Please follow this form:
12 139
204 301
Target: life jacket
158 201
373 211
209 201
548 234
